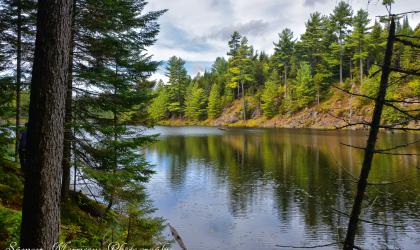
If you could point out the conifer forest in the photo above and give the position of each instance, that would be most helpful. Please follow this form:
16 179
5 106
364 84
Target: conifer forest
257 124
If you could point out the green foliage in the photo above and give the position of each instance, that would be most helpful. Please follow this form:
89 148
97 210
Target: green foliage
269 99
178 82
284 49
158 109
9 227
195 103
302 93
334 45
11 184
6 113
112 38
240 65
84 223
214 107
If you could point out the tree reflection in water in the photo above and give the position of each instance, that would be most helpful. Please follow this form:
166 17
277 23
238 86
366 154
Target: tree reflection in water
301 177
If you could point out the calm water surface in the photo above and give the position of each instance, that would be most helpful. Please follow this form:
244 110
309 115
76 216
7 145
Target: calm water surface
258 188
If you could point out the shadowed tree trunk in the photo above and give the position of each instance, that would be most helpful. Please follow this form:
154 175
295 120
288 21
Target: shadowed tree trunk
370 147
41 203
68 119
18 74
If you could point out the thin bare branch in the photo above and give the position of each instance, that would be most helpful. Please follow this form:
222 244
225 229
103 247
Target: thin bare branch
385 182
400 146
408 43
306 247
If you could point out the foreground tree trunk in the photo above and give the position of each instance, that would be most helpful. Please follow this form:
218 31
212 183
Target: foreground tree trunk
68 119
41 203
370 147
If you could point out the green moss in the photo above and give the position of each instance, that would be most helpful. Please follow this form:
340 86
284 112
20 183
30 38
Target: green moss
9 226
11 184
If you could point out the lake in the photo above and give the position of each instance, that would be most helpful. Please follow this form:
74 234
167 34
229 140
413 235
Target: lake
258 188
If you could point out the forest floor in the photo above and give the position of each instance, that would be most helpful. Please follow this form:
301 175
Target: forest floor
331 113
83 220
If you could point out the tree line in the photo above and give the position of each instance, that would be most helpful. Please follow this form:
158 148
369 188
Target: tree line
343 47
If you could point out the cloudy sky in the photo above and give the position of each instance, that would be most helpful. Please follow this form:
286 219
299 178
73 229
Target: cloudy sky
198 30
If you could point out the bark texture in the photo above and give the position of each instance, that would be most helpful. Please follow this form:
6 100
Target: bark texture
41 203
370 147
68 119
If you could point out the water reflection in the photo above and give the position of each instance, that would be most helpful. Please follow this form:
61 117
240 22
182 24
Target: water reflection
253 189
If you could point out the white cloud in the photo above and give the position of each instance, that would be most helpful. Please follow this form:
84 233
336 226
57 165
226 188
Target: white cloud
198 31
159 76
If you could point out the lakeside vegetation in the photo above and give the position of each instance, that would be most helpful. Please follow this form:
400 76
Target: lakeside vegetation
294 87
79 75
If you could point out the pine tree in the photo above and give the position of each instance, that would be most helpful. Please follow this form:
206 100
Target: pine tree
195 103
17 18
158 109
283 52
303 91
315 45
178 82
309 45
376 45
113 67
214 107
341 20
6 113
359 39
234 44
269 99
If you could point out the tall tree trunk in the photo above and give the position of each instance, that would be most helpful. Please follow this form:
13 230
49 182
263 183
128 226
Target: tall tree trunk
351 95
341 63
370 147
285 81
41 202
244 101
18 75
68 119
361 65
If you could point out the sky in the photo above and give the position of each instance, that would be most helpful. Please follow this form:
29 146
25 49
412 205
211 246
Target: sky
198 30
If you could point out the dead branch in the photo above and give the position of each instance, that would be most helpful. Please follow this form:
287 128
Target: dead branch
408 43
303 247
385 182
399 146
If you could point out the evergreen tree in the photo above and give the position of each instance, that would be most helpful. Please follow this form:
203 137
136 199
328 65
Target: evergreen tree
234 44
17 36
283 52
376 45
6 113
214 107
359 39
195 103
341 21
311 41
240 69
178 82
158 109
269 99
303 91
112 37
315 45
